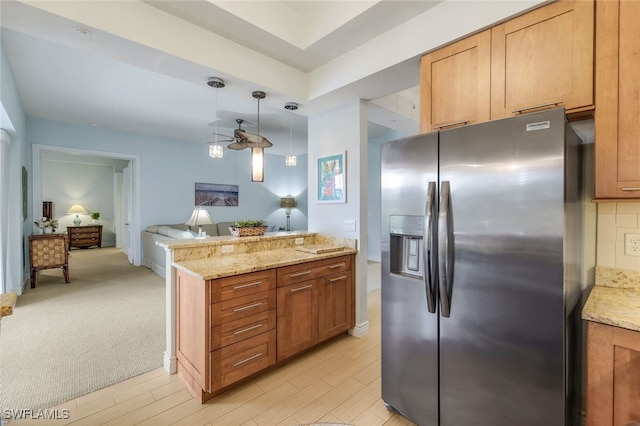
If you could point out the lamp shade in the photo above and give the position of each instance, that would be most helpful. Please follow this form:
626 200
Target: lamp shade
287 202
257 164
77 209
200 216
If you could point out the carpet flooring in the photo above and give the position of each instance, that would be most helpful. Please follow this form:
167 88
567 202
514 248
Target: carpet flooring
67 340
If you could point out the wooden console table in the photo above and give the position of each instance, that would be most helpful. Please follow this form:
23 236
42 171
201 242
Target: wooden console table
85 236
48 251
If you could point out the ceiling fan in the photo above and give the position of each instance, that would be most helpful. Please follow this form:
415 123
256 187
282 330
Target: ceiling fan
242 139
237 141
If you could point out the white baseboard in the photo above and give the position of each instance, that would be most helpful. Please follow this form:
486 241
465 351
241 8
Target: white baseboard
170 364
360 330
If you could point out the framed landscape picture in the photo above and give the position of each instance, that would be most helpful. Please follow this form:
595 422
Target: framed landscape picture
216 194
331 174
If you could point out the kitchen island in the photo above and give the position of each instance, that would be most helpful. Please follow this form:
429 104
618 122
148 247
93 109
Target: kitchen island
241 305
612 313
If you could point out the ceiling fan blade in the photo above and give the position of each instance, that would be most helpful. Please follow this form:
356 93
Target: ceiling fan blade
237 146
253 140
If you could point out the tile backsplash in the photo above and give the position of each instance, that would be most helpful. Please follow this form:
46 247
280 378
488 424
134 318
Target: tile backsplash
614 221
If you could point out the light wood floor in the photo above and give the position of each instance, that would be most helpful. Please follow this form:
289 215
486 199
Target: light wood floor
338 382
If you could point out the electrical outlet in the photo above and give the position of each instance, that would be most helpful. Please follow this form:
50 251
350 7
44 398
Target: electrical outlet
299 241
227 248
632 244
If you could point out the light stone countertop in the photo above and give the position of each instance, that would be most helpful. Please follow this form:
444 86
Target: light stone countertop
7 303
236 264
615 299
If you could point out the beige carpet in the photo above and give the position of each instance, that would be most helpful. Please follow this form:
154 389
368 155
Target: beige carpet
67 340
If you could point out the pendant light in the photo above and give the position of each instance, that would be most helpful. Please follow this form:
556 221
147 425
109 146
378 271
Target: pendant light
290 159
215 150
257 153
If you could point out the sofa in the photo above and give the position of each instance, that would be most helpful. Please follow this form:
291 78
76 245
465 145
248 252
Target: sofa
154 256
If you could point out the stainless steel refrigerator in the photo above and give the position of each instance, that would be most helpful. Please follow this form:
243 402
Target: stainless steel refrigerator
481 251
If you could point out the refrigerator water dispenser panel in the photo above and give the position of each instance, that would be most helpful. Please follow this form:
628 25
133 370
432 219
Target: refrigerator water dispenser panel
406 238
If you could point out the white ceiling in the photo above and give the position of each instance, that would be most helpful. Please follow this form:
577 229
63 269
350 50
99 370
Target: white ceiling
142 67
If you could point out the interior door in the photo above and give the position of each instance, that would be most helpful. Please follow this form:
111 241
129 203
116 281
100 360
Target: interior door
127 211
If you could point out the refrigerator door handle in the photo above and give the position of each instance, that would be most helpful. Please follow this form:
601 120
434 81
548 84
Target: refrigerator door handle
444 249
428 252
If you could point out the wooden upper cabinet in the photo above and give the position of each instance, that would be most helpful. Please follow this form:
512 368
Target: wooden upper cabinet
543 58
617 118
455 83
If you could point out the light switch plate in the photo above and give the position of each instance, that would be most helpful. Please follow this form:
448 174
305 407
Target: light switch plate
349 225
227 248
299 241
632 244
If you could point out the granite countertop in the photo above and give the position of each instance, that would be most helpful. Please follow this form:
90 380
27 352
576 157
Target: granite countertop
229 265
7 303
615 299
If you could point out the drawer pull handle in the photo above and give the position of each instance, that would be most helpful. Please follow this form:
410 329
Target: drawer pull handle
337 265
633 188
455 123
240 287
235 364
244 330
244 308
298 274
548 104
344 277
301 288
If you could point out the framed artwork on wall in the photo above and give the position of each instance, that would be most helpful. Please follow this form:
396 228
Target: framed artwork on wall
216 194
331 175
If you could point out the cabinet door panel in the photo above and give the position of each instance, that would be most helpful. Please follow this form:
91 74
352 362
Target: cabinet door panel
629 95
543 57
334 305
617 128
455 82
297 321
626 408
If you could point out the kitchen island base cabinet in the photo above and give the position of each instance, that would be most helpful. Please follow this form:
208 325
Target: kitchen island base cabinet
229 329
613 375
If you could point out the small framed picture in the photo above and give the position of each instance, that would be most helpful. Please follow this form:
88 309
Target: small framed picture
331 174
216 194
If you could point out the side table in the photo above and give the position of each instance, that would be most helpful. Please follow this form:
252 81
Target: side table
85 236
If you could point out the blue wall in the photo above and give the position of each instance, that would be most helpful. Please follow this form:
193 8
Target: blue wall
169 169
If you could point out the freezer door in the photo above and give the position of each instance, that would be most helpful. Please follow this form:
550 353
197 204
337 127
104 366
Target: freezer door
501 346
409 330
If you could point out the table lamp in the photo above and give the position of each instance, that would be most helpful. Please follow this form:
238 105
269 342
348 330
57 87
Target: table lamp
77 209
199 217
288 203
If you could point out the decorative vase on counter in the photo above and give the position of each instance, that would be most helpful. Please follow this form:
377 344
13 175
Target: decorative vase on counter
47 230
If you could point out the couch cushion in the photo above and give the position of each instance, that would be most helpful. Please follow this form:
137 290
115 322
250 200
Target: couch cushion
174 233
223 228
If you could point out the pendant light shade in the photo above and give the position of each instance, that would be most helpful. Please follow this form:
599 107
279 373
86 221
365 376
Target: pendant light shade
215 150
257 164
290 159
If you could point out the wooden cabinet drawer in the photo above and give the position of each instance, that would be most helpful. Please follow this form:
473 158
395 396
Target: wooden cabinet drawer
242 285
235 362
311 270
242 307
241 329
